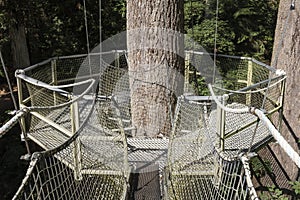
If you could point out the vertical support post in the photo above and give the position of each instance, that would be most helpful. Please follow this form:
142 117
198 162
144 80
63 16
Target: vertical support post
281 101
117 60
249 80
22 120
54 79
21 105
77 144
187 72
221 122
123 135
221 131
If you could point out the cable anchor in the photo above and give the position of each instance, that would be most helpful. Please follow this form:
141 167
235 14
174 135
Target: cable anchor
292 6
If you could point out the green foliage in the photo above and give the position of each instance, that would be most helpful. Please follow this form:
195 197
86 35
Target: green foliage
260 169
58 28
204 34
201 86
273 194
296 187
244 27
55 28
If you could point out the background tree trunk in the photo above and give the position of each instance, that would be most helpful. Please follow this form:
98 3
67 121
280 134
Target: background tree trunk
19 46
288 51
155 54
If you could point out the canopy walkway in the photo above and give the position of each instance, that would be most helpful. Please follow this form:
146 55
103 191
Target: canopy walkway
80 114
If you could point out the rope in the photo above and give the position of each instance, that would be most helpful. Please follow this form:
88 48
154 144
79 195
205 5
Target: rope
278 137
8 125
252 192
33 162
260 114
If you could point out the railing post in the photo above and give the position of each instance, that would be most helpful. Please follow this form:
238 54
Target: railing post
117 59
77 144
221 132
249 81
281 101
221 122
54 78
21 105
187 72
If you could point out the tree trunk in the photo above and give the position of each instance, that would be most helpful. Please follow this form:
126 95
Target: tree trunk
19 46
287 49
155 59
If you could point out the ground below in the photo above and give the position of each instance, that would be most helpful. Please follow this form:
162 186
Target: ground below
12 168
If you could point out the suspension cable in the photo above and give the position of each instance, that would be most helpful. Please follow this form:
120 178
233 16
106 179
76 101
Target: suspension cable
100 33
87 35
8 82
215 41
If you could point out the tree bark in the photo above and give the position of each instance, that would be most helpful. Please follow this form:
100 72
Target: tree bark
19 46
155 59
286 56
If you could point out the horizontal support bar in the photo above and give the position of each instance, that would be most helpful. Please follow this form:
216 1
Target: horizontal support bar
53 124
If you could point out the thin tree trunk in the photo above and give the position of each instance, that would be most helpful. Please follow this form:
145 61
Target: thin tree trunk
155 55
286 56
19 46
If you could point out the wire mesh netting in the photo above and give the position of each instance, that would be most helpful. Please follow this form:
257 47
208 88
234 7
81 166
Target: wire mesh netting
196 167
92 144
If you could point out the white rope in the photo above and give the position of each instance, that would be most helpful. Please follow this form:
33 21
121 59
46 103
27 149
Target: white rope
15 119
30 169
278 137
252 192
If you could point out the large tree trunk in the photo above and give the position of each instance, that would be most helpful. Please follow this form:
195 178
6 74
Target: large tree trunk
19 46
155 55
287 48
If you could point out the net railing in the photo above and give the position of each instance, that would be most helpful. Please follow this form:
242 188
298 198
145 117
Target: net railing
196 170
68 119
90 139
80 168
